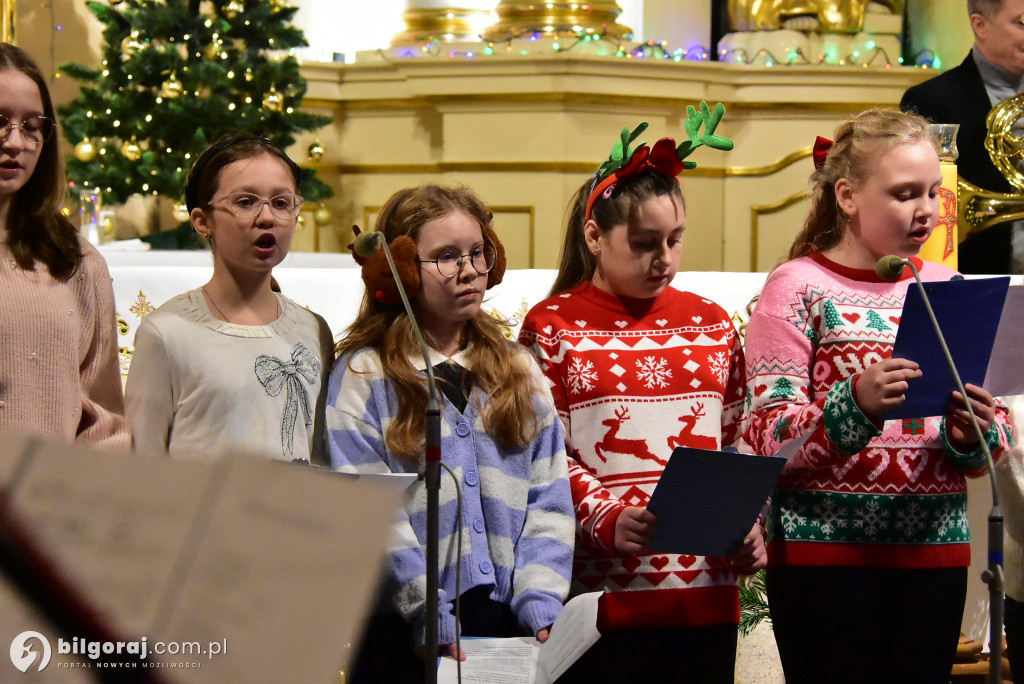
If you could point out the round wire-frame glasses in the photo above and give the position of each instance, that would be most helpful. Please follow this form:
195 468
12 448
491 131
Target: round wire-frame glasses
35 130
449 261
247 205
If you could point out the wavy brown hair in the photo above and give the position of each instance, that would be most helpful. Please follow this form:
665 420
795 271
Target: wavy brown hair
36 229
502 374
576 264
859 142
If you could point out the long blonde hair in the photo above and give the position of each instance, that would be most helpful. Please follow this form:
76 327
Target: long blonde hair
859 142
507 412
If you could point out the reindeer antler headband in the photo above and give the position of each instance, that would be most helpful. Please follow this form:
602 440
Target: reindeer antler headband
665 157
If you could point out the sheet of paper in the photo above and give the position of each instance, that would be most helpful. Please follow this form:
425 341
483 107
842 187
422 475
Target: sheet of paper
707 501
493 661
1005 375
790 448
287 564
105 518
275 562
573 633
968 312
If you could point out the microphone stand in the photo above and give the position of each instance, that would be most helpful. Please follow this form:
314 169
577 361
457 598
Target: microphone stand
993 576
431 476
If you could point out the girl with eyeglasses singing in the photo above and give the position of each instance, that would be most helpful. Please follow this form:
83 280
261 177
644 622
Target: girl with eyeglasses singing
234 365
58 341
500 436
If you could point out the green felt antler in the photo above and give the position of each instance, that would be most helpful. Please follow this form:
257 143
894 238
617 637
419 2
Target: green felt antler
620 151
709 119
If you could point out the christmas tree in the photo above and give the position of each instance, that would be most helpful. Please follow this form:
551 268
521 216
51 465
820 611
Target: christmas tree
175 74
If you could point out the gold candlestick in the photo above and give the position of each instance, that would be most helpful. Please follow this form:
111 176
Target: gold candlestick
447 24
519 18
8 14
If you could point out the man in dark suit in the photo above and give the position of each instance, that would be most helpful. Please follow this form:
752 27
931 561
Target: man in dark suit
992 72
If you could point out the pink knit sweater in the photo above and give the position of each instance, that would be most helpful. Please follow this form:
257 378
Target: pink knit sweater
59 374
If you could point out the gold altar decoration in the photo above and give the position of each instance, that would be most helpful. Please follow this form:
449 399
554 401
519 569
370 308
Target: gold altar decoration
941 247
521 18
824 16
980 208
446 24
8 23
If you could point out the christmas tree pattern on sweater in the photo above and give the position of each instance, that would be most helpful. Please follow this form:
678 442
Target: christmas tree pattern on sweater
633 379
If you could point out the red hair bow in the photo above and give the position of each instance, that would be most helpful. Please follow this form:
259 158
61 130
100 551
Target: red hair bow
821 148
663 158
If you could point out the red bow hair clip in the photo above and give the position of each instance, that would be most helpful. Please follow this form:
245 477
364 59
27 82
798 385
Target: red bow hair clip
821 148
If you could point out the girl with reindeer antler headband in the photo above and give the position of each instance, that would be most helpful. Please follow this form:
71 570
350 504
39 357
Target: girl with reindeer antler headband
638 368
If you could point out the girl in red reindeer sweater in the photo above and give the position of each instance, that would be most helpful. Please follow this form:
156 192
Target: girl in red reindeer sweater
637 368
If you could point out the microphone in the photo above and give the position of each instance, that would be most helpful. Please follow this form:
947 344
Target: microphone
366 245
369 243
890 267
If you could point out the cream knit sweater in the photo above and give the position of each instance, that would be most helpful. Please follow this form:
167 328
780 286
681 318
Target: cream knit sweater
59 374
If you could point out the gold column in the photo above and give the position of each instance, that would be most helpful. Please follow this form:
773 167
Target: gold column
520 18
7 23
425 21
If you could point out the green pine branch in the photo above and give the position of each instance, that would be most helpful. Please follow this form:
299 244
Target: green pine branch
753 603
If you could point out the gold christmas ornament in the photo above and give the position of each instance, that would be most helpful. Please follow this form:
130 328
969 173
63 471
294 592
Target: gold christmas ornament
316 151
273 100
171 88
131 45
279 5
107 225
322 216
180 212
85 151
131 150
248 75
212 50
232 10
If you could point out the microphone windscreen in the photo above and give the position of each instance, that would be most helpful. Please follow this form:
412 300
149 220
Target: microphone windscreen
889 267
367 244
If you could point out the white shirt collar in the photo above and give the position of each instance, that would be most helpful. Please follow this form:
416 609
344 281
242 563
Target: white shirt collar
436 357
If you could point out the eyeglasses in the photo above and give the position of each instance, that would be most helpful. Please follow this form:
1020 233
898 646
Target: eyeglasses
449 262
35 130
246 205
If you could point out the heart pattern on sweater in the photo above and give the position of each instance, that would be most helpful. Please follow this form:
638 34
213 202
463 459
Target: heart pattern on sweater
903 459
621 324
553 307
687 561
697 319
659 562
631 563
661 322
547 329
852 317
580 324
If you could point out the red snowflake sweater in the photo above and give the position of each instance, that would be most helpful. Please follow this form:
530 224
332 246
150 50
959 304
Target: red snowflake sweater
860 492
632 379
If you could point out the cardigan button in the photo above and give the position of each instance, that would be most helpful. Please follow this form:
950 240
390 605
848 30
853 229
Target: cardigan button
486 567
472 479
462 429
478 525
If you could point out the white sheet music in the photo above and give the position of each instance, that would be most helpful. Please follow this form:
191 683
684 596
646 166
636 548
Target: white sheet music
1005 374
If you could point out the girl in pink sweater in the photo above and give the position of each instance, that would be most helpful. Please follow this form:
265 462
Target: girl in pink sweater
868 552
59 374
636 368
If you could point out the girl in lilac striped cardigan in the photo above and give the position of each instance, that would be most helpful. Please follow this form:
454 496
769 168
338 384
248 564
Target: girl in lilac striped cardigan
499 435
